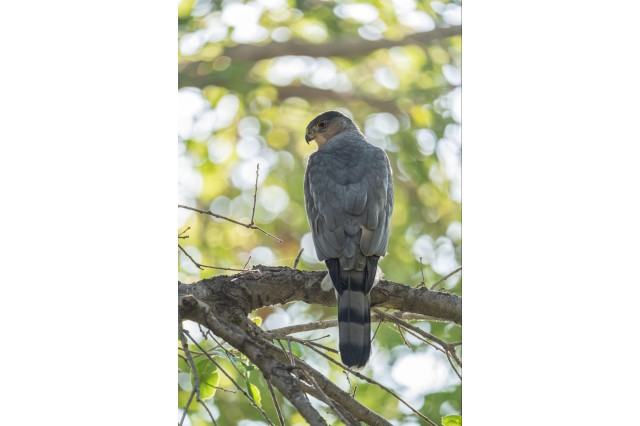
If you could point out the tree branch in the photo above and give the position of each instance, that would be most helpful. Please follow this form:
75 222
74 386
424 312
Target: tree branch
349 48
272 370
222 304
246 292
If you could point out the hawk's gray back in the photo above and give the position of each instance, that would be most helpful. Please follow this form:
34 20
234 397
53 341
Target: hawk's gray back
349 199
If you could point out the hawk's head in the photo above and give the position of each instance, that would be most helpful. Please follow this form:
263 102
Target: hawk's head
327 125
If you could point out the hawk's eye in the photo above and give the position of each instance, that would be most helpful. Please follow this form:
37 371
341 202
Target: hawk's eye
322 124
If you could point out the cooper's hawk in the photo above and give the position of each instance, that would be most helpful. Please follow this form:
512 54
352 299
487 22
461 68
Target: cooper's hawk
348 193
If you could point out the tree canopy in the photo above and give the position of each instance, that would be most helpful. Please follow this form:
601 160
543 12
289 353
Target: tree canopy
251 75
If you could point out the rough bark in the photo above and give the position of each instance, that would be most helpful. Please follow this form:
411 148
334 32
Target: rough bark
222 303
266 286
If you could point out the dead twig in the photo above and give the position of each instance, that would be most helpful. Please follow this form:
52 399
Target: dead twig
295 262
422 284
255 194
458 269
249 398
245 265
196 380
373 382
275 402
251 224
202 267
246 225
192 366
180 235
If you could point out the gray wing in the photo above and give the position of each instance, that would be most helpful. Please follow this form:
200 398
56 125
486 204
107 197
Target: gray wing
349 200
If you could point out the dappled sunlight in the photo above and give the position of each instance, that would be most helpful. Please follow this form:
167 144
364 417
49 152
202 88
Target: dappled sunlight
360 12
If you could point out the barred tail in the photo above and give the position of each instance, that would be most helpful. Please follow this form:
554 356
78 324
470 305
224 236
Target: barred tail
354 316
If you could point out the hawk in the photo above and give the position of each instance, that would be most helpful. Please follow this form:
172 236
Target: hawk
348 191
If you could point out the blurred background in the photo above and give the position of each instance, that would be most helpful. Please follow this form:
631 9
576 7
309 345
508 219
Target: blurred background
252 74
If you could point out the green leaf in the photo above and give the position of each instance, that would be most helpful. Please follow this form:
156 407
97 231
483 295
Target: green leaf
209 378
254 392
452 420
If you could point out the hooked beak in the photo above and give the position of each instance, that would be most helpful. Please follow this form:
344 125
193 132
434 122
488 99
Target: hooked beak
308 137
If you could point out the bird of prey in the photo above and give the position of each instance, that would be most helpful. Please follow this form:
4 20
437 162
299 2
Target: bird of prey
348 191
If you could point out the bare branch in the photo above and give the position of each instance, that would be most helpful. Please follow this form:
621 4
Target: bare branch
446 347
249 398
458 269
320 325
347 48
181 235
233 297
255 194
350 421
246 225
186 407
271 285
201 266
275 402
374 382
295 262
272 370
245 265
252 334
207 408
422 283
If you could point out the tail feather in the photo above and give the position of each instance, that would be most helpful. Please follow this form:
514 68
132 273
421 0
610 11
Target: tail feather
354 322
354 316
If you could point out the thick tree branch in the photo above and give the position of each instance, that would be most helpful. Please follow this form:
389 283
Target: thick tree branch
272 370
247 291
311 94
201 74
222 303
327 387
349 48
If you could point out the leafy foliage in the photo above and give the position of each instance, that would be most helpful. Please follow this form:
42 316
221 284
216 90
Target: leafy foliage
452 420
245 99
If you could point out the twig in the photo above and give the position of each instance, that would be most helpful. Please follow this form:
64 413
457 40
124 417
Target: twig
422 284
343 416
458 269
186 407
350 385
246 225
369 380
335 393
295 262
376 332
184 236
255 194
321 325
251 400
229 356
452 366
201 266
290 339
207 408
196 381
275 402
404 339
192 366
245 265
446 347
